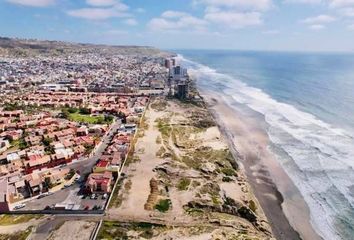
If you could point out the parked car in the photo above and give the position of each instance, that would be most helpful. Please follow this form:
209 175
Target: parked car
93 196
47 207
104 196
86 208
19 206
41 196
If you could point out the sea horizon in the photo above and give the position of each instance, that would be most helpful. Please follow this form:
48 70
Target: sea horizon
305 105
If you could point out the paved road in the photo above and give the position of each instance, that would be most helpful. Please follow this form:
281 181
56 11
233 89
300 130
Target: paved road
70 194
86 166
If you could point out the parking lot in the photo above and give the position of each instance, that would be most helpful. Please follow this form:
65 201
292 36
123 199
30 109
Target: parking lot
64 199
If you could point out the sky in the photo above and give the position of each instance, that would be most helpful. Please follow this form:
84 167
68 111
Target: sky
282 25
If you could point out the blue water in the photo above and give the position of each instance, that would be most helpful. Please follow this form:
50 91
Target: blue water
307 101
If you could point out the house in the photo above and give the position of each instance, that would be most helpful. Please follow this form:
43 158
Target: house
34 183
11 157
104 166
99 182
4 145
4 196
33 140
14 135
82 131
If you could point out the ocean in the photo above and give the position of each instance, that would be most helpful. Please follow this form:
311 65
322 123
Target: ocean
306 104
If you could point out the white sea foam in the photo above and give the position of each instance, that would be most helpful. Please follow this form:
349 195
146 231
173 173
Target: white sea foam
320 156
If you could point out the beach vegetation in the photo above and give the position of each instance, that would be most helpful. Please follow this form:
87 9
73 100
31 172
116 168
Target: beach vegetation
128 185
183 184
143 123
160 152
211 188
117 196
163 205
191 162
159 105
164 127
19 235
6 219
119 230
215 199
195 183
252 205
227 179
229 172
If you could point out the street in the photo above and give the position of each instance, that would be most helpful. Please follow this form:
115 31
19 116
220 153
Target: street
70 195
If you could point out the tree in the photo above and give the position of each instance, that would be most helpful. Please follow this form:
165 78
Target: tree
48 182
108 118
72 110
65 114
47 141
84 111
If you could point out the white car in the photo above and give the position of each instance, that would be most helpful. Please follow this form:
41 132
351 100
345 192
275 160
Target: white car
19 206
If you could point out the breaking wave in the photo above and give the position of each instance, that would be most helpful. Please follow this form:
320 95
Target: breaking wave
318 157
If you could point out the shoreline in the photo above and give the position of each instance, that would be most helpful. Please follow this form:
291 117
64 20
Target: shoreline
277 194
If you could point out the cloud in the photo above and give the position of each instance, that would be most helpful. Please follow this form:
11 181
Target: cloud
347 12
351 27
320 19
176 21
261 5
101 3
174 14
271 32
341 3
317 27
234 19
304 1
33 3
98 13
131 22
102 10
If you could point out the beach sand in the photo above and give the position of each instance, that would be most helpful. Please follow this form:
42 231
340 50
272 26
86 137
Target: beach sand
280 199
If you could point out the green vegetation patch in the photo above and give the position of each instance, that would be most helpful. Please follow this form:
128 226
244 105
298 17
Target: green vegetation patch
160 152
191 162
83 115
159 105
228 172
30 109
163 205
118 230
77 117
117 197
183 184
20 235
17 219
164 127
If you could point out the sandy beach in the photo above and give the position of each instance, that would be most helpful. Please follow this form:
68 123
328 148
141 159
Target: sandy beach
280 199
